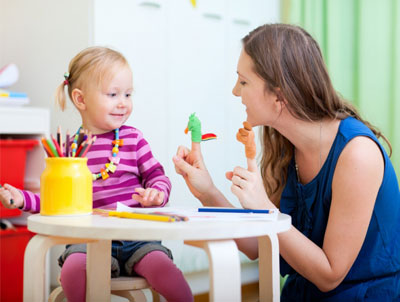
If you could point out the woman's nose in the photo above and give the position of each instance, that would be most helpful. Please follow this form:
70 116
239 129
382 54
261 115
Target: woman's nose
236 89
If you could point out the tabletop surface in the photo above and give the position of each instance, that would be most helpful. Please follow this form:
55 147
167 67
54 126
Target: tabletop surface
97 226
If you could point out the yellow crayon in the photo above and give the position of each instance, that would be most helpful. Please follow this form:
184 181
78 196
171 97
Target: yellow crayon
141 216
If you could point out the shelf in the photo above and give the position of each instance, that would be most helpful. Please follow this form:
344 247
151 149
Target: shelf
24 120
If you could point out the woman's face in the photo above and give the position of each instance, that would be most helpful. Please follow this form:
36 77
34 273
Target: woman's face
260 103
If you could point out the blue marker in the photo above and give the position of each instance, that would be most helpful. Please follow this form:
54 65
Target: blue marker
233 210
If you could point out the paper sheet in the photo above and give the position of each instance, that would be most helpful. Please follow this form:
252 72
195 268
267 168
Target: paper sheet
194 215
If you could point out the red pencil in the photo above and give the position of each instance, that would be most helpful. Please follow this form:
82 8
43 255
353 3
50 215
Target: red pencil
87 147
60 153
59 140
81 147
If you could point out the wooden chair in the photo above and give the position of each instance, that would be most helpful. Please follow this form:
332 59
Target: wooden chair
126 287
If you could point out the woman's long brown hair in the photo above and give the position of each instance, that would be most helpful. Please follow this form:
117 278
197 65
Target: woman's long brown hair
288 58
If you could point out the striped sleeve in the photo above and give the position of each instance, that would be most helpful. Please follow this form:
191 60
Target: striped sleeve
31 202
151 170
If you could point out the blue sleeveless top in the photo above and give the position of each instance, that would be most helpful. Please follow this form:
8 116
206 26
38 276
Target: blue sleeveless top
375 274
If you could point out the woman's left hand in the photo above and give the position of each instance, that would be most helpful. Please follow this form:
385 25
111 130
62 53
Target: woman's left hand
148 197
248 186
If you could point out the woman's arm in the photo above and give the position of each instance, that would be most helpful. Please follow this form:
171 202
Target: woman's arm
190 164
356 182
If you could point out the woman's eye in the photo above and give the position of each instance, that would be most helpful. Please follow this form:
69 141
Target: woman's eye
242 83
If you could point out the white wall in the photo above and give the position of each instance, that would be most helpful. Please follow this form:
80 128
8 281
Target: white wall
41 37
184 60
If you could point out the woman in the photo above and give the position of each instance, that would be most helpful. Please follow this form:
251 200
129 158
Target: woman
322 164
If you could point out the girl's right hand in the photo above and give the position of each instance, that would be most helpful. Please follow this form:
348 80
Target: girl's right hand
10 197
190 164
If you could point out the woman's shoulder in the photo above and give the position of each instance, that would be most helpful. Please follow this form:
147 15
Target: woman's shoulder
361 144
351 127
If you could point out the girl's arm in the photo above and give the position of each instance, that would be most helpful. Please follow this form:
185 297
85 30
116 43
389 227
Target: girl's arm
356 182
154 180
24 200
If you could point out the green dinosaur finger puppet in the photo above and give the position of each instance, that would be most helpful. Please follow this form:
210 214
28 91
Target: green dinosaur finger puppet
194 126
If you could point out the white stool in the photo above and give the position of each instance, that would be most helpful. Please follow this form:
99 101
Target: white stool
126 287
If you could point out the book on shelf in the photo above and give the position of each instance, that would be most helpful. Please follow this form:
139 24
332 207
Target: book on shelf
11 98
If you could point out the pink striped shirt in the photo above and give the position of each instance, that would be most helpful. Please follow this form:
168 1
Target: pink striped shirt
137 169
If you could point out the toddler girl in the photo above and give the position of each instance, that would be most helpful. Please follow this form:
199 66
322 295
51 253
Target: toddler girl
99 84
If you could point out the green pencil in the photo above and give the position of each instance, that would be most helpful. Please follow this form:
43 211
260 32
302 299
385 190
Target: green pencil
52 147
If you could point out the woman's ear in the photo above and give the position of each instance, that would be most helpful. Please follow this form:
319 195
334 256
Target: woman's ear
78 99
280 100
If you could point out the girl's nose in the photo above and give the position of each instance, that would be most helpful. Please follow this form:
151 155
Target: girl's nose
121 102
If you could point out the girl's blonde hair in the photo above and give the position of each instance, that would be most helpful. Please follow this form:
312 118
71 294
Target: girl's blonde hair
288 58
91 64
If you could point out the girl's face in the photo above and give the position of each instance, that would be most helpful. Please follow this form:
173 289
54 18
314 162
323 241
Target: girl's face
109 105
260 103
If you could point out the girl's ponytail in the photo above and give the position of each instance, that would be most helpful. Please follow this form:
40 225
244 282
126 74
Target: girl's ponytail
61 98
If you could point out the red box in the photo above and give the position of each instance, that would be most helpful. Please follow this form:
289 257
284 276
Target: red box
12 166
12 249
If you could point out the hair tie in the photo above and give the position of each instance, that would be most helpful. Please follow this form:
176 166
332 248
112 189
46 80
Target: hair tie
66 76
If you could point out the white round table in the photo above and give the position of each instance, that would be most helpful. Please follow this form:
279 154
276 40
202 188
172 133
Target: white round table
216 237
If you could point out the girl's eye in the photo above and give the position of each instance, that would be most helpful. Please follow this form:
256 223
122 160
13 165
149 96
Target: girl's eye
128 95
112 94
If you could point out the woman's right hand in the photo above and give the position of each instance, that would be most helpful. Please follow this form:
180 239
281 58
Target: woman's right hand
190 164
10 197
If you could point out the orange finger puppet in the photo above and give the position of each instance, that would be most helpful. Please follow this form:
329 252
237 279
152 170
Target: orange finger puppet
246 136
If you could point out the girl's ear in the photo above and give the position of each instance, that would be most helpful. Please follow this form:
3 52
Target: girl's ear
78 99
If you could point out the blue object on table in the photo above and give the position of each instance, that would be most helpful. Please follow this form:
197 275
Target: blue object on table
233 210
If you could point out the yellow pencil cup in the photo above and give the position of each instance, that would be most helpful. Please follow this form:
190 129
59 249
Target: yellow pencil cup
66 187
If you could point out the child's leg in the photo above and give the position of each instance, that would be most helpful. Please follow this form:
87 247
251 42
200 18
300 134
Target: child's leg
73 277
164 277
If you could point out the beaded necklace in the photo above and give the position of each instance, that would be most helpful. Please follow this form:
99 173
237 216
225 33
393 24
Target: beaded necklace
114 160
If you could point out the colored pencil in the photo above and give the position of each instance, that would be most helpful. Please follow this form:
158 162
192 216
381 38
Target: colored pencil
143 216
176 216
80 137
67 144
80 149
59 140
46 147
57 146
87 147
52 147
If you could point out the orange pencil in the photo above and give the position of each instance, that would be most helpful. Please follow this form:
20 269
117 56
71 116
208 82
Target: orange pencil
46 147
57 146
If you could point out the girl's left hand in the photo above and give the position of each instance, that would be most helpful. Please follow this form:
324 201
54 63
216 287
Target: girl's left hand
148 197
248 186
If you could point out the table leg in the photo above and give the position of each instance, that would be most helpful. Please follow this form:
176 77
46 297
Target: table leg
35 264
98 271
224 272
268 252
